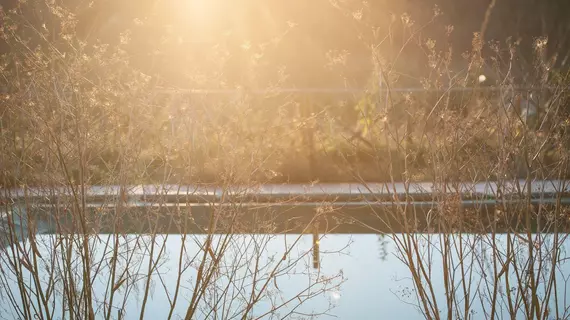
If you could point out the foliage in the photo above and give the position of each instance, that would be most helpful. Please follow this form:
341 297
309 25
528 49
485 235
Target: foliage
144 106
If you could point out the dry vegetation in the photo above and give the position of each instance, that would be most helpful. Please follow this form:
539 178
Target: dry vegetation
77 111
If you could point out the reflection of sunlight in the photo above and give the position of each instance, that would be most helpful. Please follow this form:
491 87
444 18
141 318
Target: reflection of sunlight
335 295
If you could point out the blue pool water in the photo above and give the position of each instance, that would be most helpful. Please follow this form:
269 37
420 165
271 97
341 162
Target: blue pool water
360 276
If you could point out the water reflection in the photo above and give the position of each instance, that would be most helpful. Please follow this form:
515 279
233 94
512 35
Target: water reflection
358 276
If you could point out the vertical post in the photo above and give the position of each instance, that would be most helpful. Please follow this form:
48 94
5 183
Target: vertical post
316 246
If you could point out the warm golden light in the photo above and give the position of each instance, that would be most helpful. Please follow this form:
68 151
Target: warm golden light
200 12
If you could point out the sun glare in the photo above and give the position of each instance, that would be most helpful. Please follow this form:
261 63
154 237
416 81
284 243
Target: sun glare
199 12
